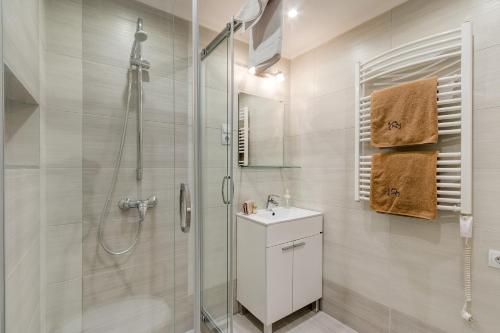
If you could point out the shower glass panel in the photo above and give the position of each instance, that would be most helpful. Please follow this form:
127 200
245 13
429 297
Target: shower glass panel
128 64
98 140
217 187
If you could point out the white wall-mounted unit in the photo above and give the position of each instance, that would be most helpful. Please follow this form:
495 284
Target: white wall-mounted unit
447 55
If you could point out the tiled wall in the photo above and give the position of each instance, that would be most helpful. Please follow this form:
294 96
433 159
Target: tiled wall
22 168
62 163
388 273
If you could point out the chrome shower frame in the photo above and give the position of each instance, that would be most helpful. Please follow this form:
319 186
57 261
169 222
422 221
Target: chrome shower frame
226 35
2 187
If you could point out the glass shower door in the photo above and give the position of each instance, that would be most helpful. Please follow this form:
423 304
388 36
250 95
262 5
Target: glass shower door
217 186
87 247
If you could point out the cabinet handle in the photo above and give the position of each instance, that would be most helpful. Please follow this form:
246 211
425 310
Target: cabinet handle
299 244
286 248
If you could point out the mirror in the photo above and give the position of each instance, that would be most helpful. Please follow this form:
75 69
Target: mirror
261 123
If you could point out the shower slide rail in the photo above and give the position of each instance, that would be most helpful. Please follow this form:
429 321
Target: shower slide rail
447 55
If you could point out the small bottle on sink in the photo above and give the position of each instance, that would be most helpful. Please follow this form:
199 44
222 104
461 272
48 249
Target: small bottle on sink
287 198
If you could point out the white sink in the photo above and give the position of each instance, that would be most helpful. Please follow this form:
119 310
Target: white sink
279 215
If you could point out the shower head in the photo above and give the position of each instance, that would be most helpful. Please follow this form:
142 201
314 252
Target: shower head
136 53
140 34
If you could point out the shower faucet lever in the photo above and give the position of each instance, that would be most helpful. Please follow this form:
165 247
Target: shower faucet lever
141 205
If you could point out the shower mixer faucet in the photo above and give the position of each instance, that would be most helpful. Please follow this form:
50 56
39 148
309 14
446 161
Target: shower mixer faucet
141 205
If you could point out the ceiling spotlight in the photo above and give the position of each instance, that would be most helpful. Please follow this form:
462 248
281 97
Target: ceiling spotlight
252 70
292 13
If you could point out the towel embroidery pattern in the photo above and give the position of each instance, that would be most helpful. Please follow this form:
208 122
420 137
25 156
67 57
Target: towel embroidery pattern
393 192
394 125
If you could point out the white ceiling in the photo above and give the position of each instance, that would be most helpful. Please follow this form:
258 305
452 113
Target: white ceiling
318 20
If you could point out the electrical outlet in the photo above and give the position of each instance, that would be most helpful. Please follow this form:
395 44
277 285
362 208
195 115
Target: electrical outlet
494 259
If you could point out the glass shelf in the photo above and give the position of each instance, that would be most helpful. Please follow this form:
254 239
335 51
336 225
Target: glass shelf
270 167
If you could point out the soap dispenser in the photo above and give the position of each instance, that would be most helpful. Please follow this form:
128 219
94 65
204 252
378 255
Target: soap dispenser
287 198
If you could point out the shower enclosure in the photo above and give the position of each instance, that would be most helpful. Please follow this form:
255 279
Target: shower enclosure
113 216
216 133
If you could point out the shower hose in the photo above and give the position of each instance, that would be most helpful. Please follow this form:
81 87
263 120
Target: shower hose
118 161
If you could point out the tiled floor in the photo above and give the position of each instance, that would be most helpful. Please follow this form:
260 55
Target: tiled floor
303 321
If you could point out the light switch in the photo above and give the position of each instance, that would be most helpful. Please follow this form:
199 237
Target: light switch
494 259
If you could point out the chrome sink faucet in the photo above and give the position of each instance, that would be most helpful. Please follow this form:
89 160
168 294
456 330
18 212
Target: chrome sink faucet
272 202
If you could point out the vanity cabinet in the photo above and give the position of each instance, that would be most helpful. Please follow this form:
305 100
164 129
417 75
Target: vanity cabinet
279 266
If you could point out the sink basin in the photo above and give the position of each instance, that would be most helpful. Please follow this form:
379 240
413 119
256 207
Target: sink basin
279 215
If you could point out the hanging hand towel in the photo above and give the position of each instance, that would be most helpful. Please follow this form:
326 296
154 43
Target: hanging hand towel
405 114
266 37
251 12
404 183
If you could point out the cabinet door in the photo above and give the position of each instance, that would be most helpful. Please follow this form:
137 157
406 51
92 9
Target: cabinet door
279 281
307 271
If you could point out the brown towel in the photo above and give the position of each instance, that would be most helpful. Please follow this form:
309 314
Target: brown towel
405 114
404 183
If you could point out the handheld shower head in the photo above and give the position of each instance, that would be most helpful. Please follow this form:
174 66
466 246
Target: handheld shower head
140 34
136 53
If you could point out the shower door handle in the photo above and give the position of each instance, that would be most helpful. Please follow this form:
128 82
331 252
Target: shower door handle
185 208
226 200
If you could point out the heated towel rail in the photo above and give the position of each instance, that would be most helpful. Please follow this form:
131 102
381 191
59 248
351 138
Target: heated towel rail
448 56
243 138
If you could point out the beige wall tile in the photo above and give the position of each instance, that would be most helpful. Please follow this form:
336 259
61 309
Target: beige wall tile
486 25
35 325
63 79
22 291
356 268
63 198
486 78
63 27
401 323
420 18
22 222
354 309
64 252
63 139
64 306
